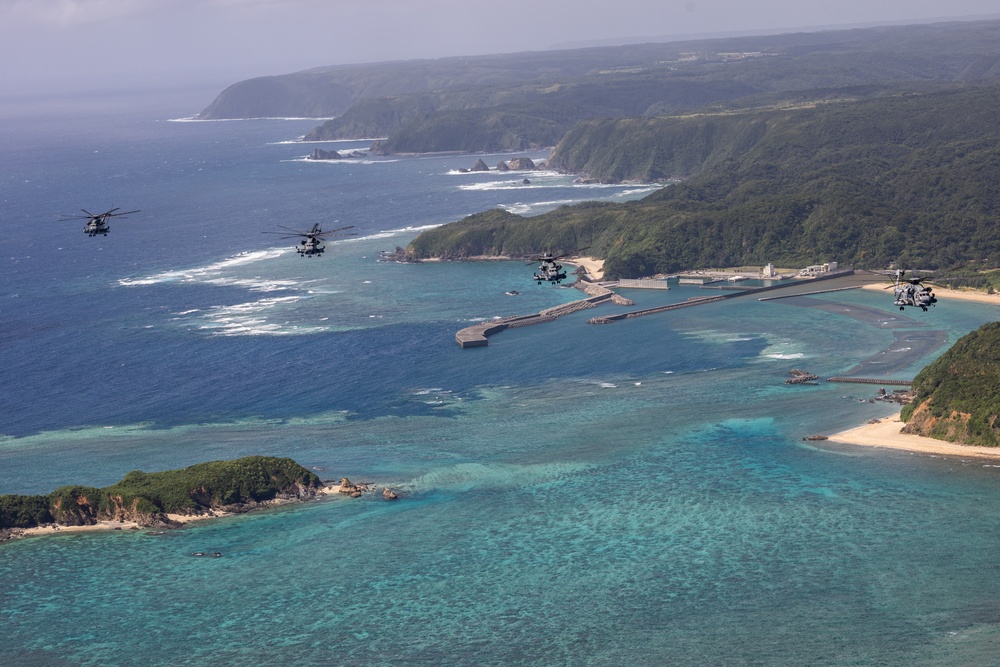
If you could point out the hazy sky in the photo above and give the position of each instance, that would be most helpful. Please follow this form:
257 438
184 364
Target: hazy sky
51 45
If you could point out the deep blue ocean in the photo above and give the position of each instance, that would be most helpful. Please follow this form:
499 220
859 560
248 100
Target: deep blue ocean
633 493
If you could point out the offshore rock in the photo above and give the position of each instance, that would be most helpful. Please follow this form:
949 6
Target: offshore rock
320 154
502 166
398 255
801 377
521 164
388 494
480 166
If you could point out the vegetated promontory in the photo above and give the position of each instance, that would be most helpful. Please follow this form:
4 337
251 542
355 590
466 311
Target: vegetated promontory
147 498
957 397
911 177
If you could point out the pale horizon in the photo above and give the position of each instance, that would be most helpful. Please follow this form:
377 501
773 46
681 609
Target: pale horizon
54 48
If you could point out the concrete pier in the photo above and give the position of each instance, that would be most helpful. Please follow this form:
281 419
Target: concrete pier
478 334
729 295
642 283
895 383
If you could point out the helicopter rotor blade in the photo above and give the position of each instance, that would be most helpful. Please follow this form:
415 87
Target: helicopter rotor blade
284 235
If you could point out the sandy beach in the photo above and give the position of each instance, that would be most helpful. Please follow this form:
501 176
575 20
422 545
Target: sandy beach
51 529
593 266
886 433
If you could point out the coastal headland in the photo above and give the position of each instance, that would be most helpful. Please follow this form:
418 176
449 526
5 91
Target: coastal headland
887 433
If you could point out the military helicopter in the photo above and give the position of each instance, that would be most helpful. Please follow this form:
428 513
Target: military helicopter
97 223
312 240
549 269
910 292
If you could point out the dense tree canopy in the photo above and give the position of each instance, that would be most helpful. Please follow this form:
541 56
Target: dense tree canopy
957 398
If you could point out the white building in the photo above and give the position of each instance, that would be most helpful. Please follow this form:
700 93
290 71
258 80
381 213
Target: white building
818 269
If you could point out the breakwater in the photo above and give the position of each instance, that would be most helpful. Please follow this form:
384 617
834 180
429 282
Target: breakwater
895 383
478 334
607 319
821 291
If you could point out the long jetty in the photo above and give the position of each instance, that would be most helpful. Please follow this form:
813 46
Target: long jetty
896 383
478 334
607 319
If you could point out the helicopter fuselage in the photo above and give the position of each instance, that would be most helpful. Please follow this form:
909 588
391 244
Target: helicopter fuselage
96 227
551 272
914 295
310 247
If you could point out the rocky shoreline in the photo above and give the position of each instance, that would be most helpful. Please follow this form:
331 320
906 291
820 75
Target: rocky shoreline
172 499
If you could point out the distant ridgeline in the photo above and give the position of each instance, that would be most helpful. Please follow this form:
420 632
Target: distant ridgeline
519 101
957 398
146 498
911 178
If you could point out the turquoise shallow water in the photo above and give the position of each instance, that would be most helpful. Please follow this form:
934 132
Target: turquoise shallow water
572 494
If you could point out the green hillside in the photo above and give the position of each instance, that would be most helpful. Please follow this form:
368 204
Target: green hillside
910 178
145 497
957 398
521 118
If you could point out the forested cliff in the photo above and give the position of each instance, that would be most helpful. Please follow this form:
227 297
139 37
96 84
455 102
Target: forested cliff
957 398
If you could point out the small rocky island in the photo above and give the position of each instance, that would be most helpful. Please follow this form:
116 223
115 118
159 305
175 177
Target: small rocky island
514 164
158 498
320 154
